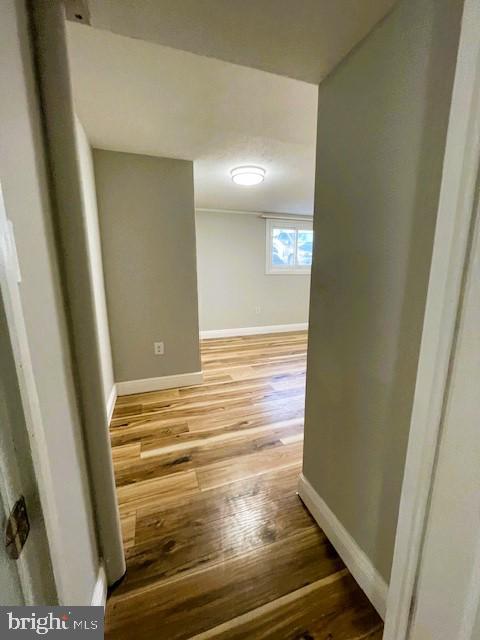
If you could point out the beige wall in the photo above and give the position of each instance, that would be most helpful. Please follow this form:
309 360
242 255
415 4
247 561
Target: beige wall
24 184
233 289
382 119
147 226
73 254
89 197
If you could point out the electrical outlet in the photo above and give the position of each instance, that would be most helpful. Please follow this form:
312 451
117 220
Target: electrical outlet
158 348
258 310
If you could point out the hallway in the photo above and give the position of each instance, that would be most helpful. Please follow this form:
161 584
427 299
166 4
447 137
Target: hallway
218 544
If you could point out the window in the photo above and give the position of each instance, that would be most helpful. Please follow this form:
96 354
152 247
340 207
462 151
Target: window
289 247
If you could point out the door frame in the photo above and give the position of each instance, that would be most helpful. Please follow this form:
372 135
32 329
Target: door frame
453 235
29 565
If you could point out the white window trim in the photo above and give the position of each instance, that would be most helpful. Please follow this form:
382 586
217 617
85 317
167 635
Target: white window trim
270 269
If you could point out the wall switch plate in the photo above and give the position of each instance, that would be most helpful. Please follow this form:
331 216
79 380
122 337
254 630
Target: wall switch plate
158 348
258 310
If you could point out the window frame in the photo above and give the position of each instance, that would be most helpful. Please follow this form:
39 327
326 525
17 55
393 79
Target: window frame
279 223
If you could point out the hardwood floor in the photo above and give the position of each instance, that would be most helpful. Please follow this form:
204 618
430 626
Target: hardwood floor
218 544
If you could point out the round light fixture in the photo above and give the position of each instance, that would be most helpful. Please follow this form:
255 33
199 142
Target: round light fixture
248 176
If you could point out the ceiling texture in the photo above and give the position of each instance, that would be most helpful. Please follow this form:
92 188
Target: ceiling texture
222 83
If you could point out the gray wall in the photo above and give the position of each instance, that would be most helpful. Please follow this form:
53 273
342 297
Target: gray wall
147 226
24 184
232 282
382 119
89 197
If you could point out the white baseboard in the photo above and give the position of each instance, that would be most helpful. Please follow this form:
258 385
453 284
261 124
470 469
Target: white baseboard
111 403
157 384
99 596
250 331
358 563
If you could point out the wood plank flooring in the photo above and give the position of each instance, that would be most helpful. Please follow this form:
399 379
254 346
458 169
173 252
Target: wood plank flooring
218 544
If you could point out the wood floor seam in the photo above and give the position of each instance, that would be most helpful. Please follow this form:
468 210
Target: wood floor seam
162 583
218 545
293 595
213 439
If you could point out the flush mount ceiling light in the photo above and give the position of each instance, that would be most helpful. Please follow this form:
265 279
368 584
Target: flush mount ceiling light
248 176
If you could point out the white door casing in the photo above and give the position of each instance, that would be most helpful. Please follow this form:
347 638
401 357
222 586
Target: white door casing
449 263
33 567
447 595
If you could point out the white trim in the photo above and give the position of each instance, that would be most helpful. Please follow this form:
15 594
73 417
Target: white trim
250 331
127 387
261 214
472 604
10 294
456 205
234 211
99 595
290 217
112 398
360 567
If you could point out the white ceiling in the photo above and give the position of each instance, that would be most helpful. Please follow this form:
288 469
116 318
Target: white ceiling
303 39
134 94
140 97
